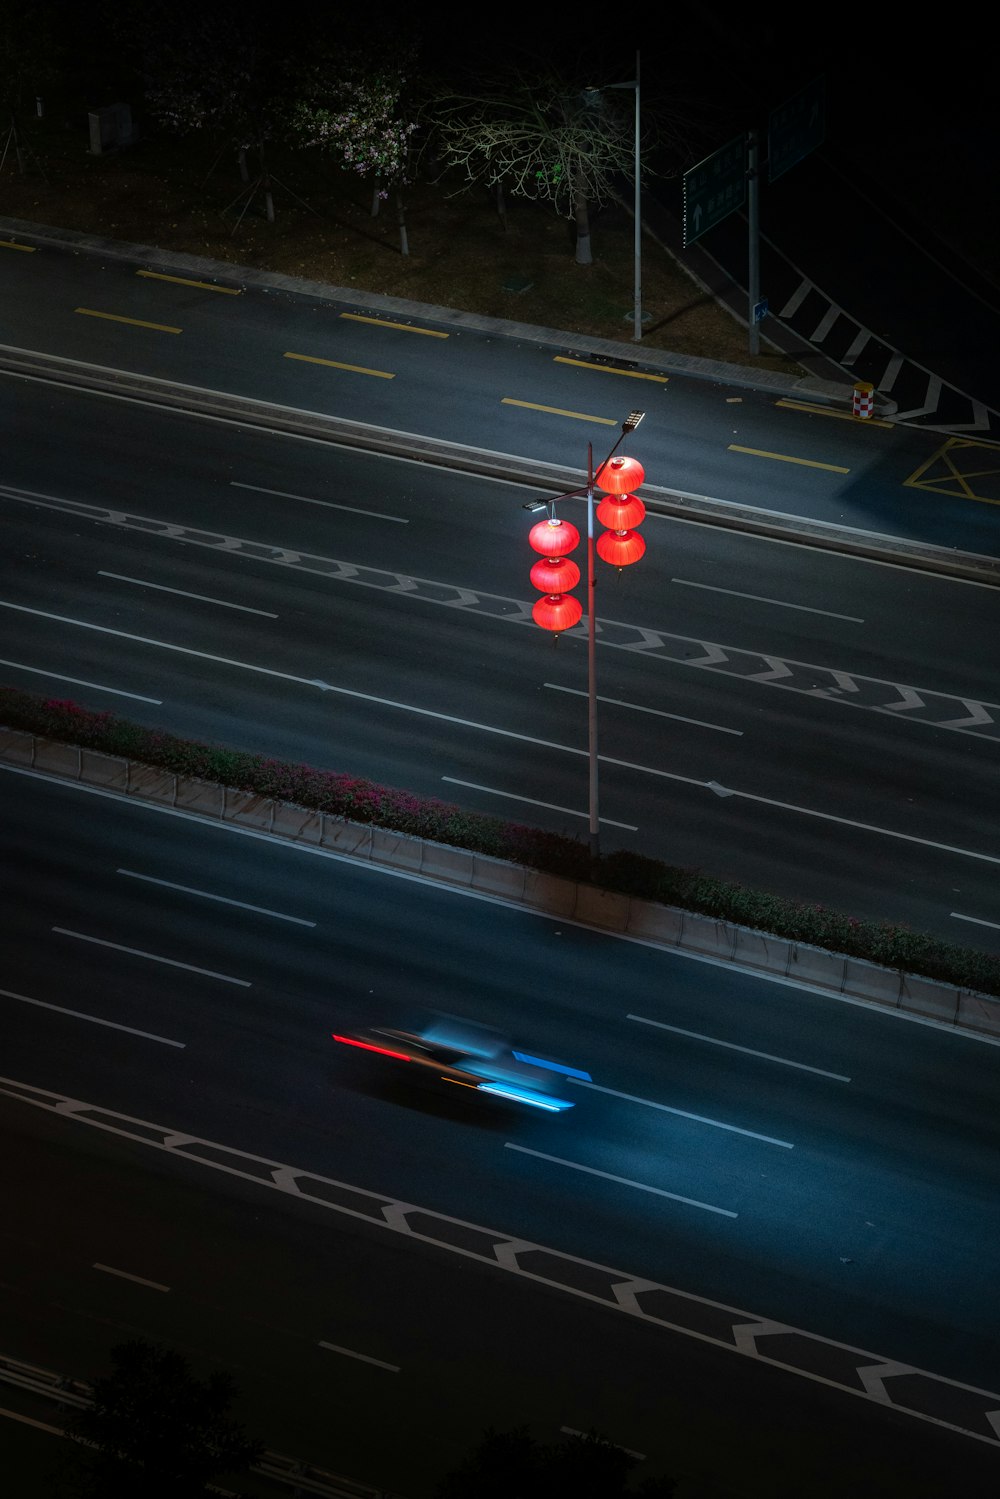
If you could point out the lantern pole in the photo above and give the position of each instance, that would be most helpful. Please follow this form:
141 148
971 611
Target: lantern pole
628 425
595 822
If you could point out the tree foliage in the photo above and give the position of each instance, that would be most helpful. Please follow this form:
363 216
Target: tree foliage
512 1465
355 108
542 134
156 1430
214 68
30 55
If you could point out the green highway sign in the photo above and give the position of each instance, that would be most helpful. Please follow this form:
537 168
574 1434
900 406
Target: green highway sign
795 128
715 188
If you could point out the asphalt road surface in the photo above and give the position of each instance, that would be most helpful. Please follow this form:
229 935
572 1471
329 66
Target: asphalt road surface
822 726
788 1158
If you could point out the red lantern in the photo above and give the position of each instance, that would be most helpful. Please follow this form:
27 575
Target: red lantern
621 512
555 575
620 475
554 538
620 547
557 611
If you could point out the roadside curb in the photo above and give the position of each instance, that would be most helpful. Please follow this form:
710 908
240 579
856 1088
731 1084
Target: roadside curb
628 355
669 927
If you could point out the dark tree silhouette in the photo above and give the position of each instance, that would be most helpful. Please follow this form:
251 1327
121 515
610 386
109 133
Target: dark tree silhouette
512 1465
156 1430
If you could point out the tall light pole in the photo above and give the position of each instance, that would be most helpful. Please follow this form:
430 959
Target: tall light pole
628 425
591 96
637 310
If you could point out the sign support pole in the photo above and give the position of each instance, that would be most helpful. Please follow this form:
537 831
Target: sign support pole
753 248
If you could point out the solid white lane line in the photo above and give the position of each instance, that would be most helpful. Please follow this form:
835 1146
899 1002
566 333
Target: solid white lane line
571 1431
469 723
137 952
957 916
758 599
512 796
621 1180
203 598
58 676
153 1285
749 1051
55 1431
639 708
94 1019
364 1357
665 1108
223 899
327 504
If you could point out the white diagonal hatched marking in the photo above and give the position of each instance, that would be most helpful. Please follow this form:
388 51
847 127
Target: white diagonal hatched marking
977 715
908 698
874 1376
778 669
617 635
501 1250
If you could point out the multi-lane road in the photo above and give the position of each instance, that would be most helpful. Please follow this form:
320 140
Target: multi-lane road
192 1156
807 722
803 719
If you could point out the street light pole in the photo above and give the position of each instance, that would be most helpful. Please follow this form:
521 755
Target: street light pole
637 333
637 232
595 821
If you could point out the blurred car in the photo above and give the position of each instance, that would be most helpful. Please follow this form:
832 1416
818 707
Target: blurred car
462 1055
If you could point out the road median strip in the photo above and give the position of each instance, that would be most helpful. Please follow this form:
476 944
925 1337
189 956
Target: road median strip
669 927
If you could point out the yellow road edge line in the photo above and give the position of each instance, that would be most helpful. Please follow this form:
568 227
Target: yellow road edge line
355 369
227 291
579 416
837 416
831 468
608 369
8 244
114 317
381 322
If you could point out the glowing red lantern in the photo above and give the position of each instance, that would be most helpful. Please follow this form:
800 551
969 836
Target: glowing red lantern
620 547
621 512
557 611
555 575
620 475
554 538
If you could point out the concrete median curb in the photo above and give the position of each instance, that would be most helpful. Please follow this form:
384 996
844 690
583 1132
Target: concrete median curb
668 927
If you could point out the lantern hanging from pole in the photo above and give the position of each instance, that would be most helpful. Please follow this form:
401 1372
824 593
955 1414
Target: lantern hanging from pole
620 547
555 575
621 512
620 475
557 612
554 538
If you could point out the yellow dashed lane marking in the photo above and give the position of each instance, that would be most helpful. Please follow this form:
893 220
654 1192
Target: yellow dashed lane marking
578 416
8 244
608 369
355 369
831 468
227 291
381 322
113 317
838 416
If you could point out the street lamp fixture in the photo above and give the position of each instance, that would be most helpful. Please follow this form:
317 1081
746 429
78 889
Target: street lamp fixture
555 574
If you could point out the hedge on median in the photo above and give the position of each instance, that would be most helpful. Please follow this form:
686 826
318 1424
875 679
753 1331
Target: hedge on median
358 800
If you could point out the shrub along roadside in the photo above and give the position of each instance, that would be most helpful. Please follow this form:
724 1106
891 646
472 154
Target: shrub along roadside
359 800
